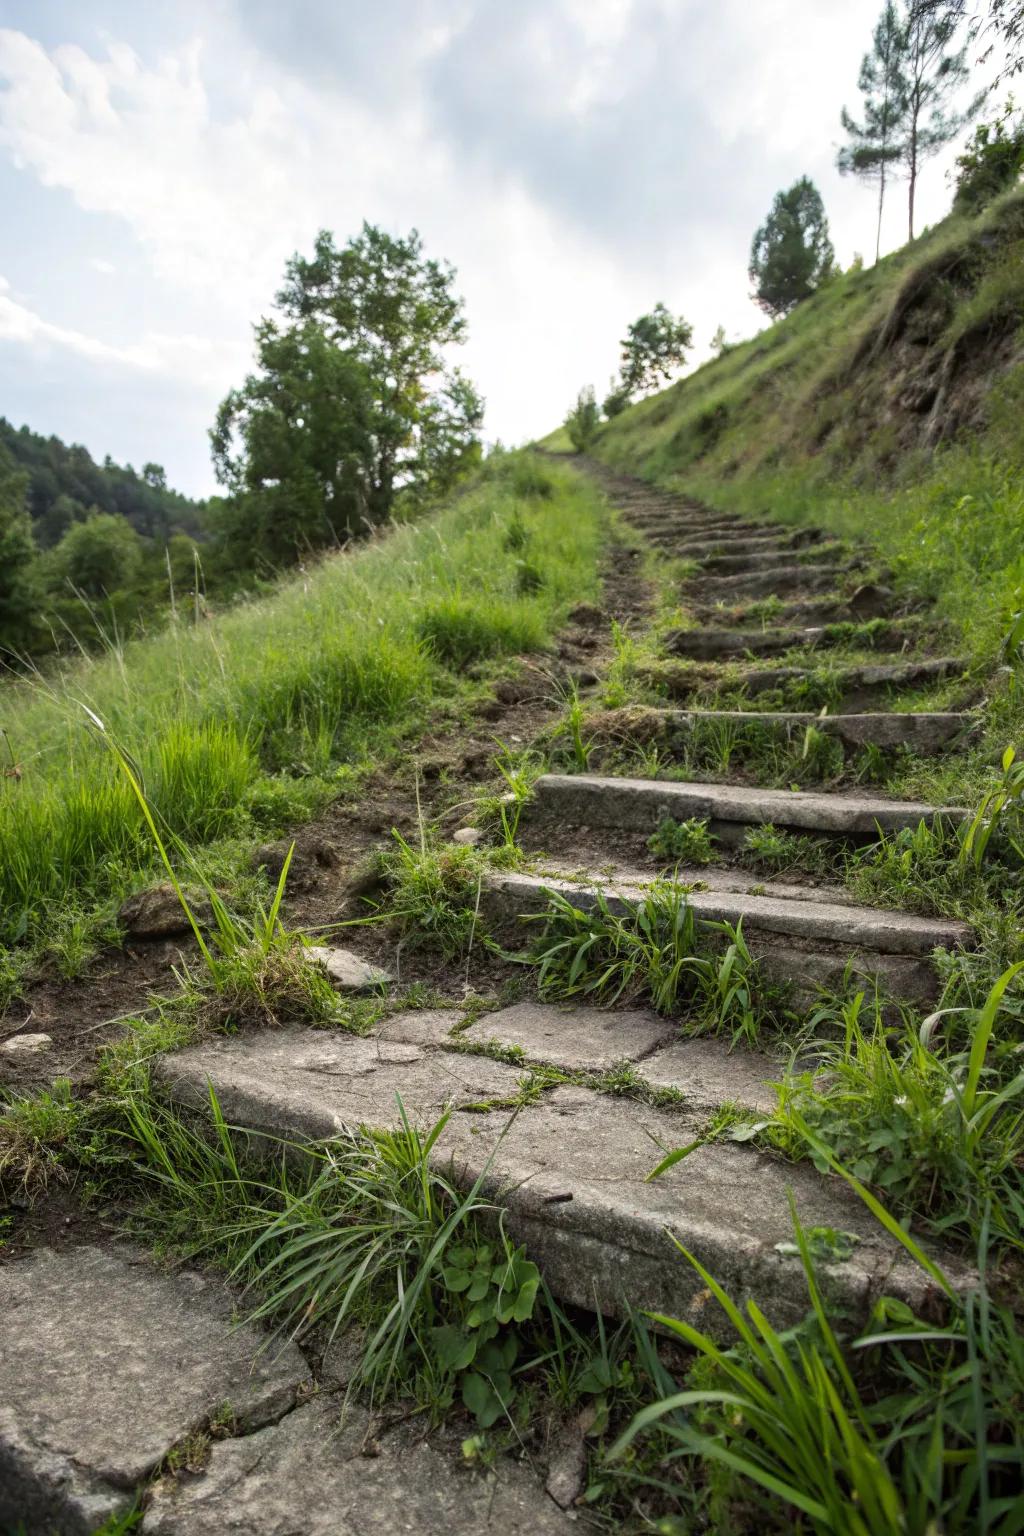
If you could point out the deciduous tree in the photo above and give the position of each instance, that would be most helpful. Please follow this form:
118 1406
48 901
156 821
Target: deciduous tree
655 346
18 595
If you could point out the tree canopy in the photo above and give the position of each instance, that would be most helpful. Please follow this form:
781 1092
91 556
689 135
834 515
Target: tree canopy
655 345
791 254
351 400
873 150
17 558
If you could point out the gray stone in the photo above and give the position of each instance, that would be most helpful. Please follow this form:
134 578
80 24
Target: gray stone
108 1361
324 1084
637 805
768 559
762 583
924 733
711 1074
312 1475
509 893
578 1039
348 971
572 1171
567 1469
468 837
27 1045
157 913
421 1026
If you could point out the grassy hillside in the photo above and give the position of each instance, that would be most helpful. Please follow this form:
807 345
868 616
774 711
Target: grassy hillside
248 721
891 405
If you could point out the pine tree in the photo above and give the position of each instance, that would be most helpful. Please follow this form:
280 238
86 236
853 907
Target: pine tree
874 148
791 254
932 74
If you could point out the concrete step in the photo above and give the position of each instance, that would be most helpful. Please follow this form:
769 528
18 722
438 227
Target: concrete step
741 542
705 644
852 687
772 558
870 601
637 805
803 944
570 1169
112 1362
924 734
775 580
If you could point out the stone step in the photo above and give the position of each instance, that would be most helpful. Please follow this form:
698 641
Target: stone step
870 601
803 944
770 559
853 687
112 1362
570 1168
924 734
704 644
637 805
709 588
740 542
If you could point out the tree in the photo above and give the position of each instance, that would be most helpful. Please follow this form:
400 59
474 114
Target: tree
791 254
388 308
100 556
295 447
932 75
18 595
719 342
992 160
1000 20
155 475
874 148
654 347
616 400
582 421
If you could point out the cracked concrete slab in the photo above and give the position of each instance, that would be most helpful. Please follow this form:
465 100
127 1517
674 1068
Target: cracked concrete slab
421 1026
322 1084
320 1474
108 1361
571 1170
711 1074
577 1039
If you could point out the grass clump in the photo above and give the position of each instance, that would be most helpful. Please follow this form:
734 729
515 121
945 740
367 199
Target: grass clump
685 842
37 1138
654 947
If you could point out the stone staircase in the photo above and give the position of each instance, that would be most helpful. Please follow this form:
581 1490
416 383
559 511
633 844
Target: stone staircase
561 1111
571 1163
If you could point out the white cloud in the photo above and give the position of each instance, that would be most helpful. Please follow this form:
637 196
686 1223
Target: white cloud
100 265
155 352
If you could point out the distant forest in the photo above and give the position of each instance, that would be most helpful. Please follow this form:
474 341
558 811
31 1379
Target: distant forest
65 485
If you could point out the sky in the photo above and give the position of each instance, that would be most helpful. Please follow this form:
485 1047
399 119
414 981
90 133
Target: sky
575 160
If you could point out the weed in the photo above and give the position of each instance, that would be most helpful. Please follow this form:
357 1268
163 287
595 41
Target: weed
38 1137
686 842
772 848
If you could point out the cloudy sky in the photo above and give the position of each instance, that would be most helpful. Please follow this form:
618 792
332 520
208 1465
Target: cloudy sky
575 159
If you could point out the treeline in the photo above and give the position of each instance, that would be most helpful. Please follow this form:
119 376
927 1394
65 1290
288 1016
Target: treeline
351 415
911 81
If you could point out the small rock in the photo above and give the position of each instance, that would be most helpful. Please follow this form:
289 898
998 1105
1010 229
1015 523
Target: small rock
567 1469
469 837
157 913
27 1044
347 970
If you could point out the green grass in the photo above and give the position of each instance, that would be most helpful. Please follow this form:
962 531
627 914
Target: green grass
253 718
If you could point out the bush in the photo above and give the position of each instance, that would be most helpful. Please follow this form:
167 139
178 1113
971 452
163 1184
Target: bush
992 160
582 421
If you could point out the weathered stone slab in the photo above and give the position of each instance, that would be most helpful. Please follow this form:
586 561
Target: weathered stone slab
710 1074
762 583
107 1362
578 1039
348 971
26 1045
322 1084
312 1475
637 805
420 1026
572 1171
896 933
769 559
924 733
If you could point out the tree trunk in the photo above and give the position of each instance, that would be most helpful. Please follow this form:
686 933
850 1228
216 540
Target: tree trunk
881 200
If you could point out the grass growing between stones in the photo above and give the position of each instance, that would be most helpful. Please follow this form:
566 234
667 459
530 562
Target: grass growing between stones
251 721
